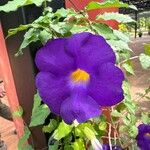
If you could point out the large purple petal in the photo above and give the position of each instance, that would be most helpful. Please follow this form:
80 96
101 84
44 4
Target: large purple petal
54 58
79 106
106 86
52 90
91 50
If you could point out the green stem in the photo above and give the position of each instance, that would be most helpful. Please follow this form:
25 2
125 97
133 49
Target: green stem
45 4
73 134
88 22
115 127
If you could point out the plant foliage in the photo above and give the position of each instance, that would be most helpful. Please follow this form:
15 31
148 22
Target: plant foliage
63 23
15 4
22 145
115 16
108 4
39 112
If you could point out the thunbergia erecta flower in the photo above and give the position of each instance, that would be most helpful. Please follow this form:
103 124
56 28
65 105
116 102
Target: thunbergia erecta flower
143 137
78 75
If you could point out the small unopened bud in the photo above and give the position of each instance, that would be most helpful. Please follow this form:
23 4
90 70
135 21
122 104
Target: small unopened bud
75 123
72 19
96 144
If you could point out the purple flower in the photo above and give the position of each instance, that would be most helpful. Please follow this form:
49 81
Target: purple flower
77 76
114 147
143 137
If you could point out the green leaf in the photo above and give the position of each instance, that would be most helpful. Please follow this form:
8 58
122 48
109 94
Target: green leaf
44 36
120 107
147 90
147 49
102 126
80 129
127 98
13 5
121 18
23 139
18 113
30 36
145 118
39 112
108 4
62 12
115 113
14 31
126 89
68 147
128 67
62 131
90 134
119 45
50 127
54 147
123 128
130 105
42 21
38 2
126 86
78 29
104 30
133 131
129 119
144 95
27 147
62 28
102 118
122 36
126 120
79 145
145 61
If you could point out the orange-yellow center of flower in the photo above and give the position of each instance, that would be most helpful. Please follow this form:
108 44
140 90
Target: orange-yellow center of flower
80 75
147 134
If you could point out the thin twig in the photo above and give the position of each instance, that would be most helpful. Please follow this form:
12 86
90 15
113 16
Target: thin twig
140 97
106 137
45 4
115 138
89 23
109 135
132 58
114 126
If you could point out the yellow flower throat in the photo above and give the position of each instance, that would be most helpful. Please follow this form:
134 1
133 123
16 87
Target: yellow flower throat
80 75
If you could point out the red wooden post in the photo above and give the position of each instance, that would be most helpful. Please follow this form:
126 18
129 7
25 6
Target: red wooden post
19 84
6 75
80 4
